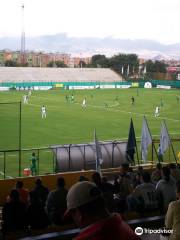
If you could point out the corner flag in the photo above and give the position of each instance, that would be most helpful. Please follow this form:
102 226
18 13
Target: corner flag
164 138
98 153
131 144
146 140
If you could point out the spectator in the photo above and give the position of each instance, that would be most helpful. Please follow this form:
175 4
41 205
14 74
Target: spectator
125 188
166 190
36 214
14 213
137 180
175 172
106 189
87 208
140 170
172 220
127 172
157 173
143 197
23 192
56 202
41 191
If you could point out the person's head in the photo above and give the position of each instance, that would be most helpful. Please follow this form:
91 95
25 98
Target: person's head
85 203
146 177
38 182
124 168
60 182
172 166
33 154
82 178
178 190
14 195
166 173
19 184
96 178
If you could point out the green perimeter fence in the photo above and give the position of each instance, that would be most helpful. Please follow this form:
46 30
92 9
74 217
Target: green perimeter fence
66 85
13 162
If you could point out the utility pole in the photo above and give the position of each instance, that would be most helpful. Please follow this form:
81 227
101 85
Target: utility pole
22 53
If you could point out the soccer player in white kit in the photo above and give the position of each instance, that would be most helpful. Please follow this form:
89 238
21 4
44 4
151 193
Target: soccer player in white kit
84 103
25 99
43 111
156 114
29 93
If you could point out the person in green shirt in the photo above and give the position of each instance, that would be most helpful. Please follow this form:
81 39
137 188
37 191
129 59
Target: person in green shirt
33 166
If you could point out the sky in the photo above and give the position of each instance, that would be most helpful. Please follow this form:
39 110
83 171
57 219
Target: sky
125 19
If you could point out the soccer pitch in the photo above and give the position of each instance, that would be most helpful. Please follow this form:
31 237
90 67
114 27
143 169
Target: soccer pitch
109 111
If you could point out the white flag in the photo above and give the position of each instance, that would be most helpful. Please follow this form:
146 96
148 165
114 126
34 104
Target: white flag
144 69
98 153
146 140
128 70
164 138
122 70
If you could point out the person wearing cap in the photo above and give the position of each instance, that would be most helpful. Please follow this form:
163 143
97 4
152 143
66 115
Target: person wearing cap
86 206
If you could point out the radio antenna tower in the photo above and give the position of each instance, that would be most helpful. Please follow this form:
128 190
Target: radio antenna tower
22 54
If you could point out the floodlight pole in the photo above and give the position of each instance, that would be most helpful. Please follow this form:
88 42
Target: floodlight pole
20 128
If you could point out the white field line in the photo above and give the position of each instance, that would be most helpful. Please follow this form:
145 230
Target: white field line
1 173
9 155
134 113
109 108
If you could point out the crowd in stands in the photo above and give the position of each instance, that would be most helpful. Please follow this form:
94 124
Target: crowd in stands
97 206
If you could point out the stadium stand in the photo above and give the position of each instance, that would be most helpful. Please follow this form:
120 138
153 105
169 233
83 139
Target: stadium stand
157 221
152 220
20 74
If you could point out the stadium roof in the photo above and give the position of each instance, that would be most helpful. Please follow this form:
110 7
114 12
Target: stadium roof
30 74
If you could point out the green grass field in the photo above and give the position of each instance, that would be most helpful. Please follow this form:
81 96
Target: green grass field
109 111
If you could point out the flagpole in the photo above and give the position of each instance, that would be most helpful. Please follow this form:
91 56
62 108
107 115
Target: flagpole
137 155
170 142
151 139
96 150
98 154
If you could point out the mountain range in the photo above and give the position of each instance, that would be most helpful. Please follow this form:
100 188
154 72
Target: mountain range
88 46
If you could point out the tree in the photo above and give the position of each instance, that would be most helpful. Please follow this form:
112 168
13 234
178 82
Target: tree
10 63
156 67
99 61
125 61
